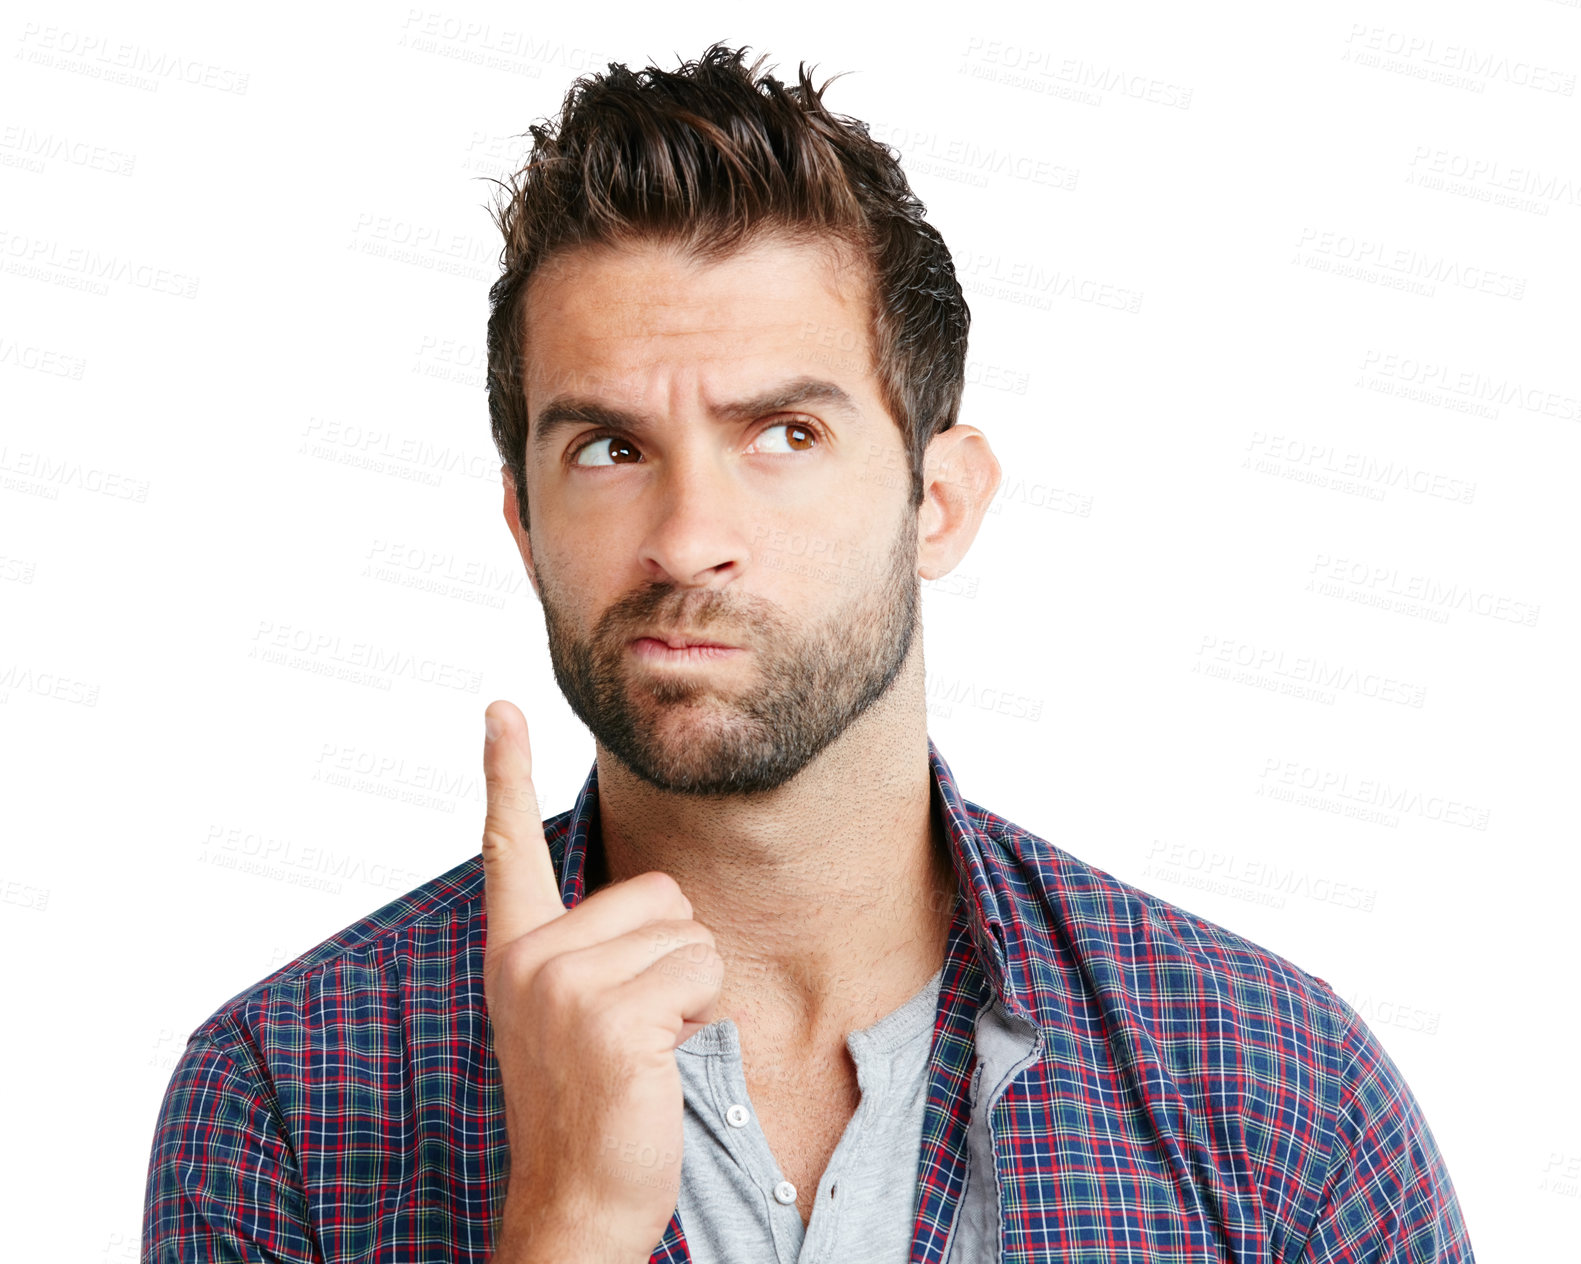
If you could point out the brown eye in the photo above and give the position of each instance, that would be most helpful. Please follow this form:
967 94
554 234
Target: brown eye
607 451
796 438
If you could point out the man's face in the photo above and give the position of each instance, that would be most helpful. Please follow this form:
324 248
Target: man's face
720 529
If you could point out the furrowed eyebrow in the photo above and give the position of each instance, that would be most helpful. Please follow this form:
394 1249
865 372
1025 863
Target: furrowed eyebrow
569 410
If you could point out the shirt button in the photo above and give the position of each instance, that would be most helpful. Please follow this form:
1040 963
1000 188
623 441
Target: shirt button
737 1115
785 1193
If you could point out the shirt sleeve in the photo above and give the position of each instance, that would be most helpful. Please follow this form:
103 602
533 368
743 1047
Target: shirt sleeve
223 1185
1388 1198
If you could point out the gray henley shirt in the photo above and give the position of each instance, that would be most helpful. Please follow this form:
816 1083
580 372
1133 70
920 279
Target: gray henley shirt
735 1203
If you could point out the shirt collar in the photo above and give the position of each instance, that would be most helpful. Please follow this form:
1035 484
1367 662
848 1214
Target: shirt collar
982 870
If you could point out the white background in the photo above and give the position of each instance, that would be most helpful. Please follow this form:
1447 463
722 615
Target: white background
241 364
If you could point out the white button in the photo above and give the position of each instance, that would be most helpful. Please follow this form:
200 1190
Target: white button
785 1193
737 1115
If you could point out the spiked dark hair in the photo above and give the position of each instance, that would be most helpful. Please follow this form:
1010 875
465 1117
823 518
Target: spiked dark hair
709 156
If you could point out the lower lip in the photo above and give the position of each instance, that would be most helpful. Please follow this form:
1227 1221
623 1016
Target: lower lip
658 652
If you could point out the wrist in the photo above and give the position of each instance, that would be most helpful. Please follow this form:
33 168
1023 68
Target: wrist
541 1235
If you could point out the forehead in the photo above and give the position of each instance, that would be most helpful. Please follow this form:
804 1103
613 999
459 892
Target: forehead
615 315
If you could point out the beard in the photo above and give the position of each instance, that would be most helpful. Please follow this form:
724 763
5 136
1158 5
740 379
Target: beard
685 735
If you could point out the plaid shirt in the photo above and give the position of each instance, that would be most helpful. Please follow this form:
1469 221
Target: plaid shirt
1193 1097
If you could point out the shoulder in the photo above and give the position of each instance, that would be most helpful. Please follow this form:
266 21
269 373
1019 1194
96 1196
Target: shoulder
1160 962
1227 1042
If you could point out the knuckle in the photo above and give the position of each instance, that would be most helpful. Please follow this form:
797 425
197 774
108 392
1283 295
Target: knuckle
692 956
686 928
692 939
495 841
660 894
506 979
604 1028
556 984
696 964
661 885
664 937
512 965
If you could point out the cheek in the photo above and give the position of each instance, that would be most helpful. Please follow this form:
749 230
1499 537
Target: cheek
573 568
822 567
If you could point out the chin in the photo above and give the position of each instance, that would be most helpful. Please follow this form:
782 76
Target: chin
698 731
700 749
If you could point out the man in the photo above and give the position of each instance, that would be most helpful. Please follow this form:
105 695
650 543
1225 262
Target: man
772 987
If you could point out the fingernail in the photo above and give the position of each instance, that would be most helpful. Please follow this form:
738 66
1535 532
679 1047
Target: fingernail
491 727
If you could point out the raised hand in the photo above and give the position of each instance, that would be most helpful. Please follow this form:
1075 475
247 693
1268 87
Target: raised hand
587 1007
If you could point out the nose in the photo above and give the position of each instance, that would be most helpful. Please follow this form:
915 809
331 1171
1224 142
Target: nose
697 536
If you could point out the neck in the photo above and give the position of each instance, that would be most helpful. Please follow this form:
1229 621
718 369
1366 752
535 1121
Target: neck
830 897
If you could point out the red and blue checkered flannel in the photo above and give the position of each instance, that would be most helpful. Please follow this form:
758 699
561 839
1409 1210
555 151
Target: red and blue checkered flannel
1194 1097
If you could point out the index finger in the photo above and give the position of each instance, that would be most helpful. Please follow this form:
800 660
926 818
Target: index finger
521 891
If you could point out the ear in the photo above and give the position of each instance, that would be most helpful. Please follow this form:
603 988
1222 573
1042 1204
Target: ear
960 475
518 532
